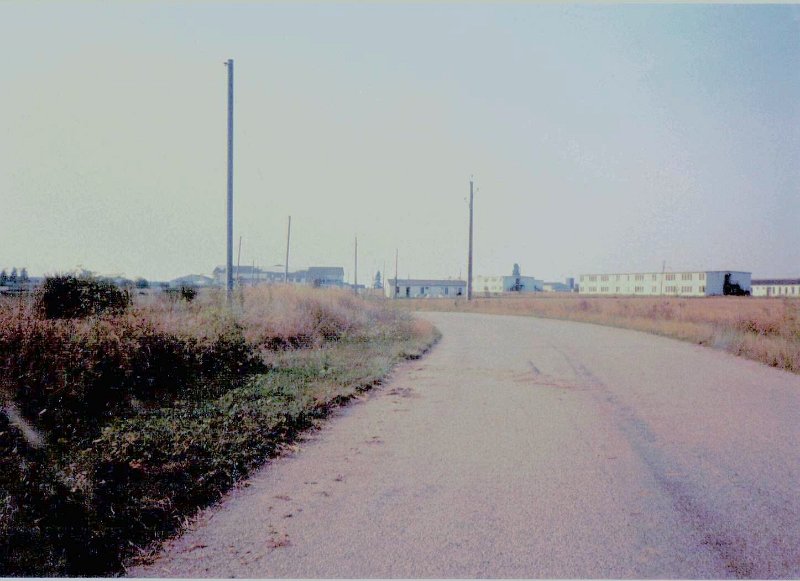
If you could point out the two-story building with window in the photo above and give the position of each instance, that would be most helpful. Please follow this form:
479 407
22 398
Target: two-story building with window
687 284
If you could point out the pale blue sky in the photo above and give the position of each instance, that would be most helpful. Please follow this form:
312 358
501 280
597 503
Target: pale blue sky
602 138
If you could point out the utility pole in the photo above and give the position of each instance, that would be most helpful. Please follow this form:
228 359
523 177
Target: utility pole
396 282
355 269
229 257
469 261
286 263
663 269
238 258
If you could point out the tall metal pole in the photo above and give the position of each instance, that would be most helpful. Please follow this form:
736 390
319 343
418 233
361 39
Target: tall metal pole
238 258
286 264
469 262
229 260
396 282
355 269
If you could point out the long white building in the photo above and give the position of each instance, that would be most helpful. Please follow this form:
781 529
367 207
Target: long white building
417 288
504 284
776 287
686 284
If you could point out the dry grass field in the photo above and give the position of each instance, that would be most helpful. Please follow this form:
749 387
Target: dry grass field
763 329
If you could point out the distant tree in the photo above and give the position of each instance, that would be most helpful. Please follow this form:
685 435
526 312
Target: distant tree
23 276
3 277
12 280
142 283
378 281
515 272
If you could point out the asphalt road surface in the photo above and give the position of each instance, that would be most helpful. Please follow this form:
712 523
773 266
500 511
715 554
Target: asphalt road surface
523 447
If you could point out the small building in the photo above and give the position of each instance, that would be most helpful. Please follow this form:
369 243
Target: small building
560 287
413 288
193 280
505 284
325 276
319 276
776 287
685 284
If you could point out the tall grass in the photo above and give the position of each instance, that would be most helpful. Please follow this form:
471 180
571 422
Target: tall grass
763 329
117 424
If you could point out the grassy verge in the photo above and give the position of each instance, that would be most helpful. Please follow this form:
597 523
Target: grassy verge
117 428
763 329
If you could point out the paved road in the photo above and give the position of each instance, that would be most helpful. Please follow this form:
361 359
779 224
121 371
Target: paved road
529 448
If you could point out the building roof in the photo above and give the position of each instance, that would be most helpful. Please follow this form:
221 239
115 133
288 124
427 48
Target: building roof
426 282
778 281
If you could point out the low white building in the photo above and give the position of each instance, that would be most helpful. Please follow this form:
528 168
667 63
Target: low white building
776 287
414 288
504 284
560 287
686 284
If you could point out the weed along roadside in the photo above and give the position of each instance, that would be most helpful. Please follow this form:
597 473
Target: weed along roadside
765 330
120 421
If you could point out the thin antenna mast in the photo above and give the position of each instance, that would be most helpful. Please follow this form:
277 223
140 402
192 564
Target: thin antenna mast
395 290
286 264
355 269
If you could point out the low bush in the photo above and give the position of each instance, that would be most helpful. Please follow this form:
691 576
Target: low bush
68 297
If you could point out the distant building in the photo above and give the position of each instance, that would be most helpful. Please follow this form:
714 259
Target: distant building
320 276
560 287
776 287
412 288
505 284
325 276
686 284
198 280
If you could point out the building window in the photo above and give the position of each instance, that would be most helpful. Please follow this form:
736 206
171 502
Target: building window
686 276
703 289
638 289
654 277
686 289
639 277
670 277
593 278
702 276
446 290
617 289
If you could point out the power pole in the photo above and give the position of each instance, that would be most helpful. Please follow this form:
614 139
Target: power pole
396 282
238 258
355 268
286 264
469 260
229 258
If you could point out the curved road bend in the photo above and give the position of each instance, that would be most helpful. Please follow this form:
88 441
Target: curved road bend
524 447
